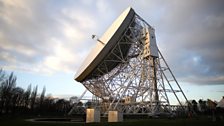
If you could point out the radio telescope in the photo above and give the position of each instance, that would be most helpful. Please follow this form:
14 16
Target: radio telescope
127 71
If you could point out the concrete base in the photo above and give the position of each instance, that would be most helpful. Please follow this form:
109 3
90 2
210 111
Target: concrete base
115 116
92 115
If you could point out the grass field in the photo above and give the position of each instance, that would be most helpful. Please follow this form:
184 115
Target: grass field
127 122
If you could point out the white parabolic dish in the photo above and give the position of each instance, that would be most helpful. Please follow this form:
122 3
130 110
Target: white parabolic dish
110 38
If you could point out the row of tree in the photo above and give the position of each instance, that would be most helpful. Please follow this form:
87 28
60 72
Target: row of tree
14 100
205 107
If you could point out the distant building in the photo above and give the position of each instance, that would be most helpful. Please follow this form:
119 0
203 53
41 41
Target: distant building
221 103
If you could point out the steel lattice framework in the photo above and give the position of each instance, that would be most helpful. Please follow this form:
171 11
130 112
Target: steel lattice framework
130 81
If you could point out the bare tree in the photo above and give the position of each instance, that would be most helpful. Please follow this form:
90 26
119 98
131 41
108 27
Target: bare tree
2 75
26 97
7 92
17 97
195 106
42 96
33 97
41 100
2 86
62 106
202 105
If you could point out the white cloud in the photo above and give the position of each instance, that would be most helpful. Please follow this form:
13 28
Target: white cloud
60 57
72 33
29 44
7 57
80 18
102 6
17 13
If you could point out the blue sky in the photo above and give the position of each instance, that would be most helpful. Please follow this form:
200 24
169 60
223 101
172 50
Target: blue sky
45 41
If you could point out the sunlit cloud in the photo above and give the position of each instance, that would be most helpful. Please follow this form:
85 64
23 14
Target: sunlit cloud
60 57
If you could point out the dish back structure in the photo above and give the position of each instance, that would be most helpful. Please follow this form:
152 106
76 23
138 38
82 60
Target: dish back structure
127 71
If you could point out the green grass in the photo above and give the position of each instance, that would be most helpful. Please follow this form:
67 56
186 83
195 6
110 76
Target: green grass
127 122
